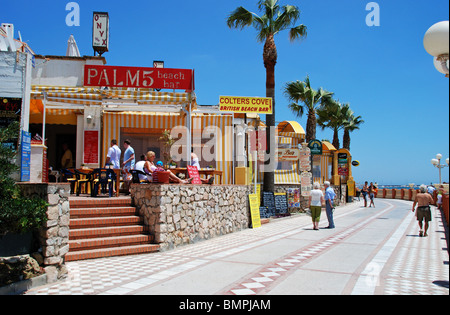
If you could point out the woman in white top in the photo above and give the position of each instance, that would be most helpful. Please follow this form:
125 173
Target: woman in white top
316 202
149 166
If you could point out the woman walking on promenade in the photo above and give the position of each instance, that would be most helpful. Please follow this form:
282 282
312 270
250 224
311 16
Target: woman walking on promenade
365 191
372 190
316 202
423 200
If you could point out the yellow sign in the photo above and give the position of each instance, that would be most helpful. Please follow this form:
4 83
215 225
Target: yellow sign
254 210
351 188
242 104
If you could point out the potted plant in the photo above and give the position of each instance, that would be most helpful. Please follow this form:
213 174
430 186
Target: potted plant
167 141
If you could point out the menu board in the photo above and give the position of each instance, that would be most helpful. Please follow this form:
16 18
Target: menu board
254 210
91 155
194 174
281 205
269 202
264 213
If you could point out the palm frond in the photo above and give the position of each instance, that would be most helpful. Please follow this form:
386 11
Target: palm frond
288 17
297 109
298 33
240 18
269 7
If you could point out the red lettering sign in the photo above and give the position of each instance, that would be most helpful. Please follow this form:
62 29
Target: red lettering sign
193 173
136 77
91 147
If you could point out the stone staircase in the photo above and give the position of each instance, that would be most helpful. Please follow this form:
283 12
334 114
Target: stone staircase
105 227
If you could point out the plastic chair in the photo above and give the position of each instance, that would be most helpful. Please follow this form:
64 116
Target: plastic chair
136 179
67 176
102 178
82 179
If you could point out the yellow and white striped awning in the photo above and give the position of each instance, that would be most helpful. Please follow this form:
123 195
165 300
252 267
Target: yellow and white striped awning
286 177
89 95
291 129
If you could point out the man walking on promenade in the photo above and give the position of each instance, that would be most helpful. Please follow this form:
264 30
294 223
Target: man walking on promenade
329 203
423 200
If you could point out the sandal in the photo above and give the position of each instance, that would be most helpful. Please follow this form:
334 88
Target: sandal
420 233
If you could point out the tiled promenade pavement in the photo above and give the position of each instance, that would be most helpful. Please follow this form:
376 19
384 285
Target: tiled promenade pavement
373 251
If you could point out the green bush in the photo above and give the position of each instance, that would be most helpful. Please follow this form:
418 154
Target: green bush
18 214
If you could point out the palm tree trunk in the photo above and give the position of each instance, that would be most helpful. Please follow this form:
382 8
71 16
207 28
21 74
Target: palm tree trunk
270 60
311 126
336 143
346 142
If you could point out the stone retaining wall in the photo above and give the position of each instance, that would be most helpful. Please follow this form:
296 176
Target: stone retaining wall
54 236
183 214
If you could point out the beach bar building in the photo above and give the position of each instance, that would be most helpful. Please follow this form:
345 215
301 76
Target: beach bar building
81 102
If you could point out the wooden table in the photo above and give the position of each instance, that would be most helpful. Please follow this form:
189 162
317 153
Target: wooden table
203 172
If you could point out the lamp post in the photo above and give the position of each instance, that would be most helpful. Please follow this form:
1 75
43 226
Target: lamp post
436 43
437 163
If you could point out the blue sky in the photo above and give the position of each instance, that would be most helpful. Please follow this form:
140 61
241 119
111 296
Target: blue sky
383 72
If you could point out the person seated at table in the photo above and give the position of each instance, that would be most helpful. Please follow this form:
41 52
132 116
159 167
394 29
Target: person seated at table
140 166
172 177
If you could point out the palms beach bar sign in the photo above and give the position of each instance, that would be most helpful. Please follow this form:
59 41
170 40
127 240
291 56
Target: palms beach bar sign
138 77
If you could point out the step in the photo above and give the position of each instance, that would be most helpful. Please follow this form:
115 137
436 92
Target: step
108 252
75 234
87 202
105 222
117 241
80 213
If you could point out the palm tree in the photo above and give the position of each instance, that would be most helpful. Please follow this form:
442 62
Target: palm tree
333 116
307 99
353 123
274 20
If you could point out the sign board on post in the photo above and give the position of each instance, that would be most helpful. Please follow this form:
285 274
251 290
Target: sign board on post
25 157
100 32
138 77
315 147
239 104
343 164
291 155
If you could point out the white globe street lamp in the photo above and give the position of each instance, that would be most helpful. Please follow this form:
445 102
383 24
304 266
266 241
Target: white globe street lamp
437 163
436 42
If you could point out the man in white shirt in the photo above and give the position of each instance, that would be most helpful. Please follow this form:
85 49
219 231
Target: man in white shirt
114 154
